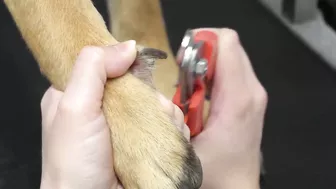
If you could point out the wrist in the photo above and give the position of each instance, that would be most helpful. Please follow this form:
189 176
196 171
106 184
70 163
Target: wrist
45 184
231 181
239 184
48 182
226 185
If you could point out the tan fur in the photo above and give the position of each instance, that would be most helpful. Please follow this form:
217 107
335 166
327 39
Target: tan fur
142 20
149 151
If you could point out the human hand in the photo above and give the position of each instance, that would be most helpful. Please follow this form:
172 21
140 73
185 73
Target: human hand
229 145
76 144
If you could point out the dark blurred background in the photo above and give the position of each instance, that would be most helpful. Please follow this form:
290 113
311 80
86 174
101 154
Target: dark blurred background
299 143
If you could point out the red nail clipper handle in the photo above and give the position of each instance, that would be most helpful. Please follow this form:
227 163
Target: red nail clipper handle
194 117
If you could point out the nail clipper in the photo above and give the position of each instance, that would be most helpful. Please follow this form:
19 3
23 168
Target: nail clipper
196 60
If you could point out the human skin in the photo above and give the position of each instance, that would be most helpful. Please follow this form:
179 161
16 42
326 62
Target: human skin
228 147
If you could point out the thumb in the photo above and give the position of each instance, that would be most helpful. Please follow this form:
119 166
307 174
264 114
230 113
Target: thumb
120 57
93 66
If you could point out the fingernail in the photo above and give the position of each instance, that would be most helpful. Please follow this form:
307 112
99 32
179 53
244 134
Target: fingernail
126 46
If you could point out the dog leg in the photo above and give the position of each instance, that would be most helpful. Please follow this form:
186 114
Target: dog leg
149 151
142 20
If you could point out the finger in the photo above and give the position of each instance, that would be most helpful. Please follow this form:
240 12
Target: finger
230 67
186 132
115 66
85 89
49 104
179 121
249 74
249 69
176 114
230 82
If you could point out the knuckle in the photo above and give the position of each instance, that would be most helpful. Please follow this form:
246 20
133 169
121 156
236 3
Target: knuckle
68 108
45 99
261 96
255 100
178 115
245 102
248 101
243 106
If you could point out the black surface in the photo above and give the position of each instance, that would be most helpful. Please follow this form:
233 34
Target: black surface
299 143
328 9
289 9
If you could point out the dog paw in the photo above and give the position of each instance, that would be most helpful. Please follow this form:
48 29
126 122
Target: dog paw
153 153
164 161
